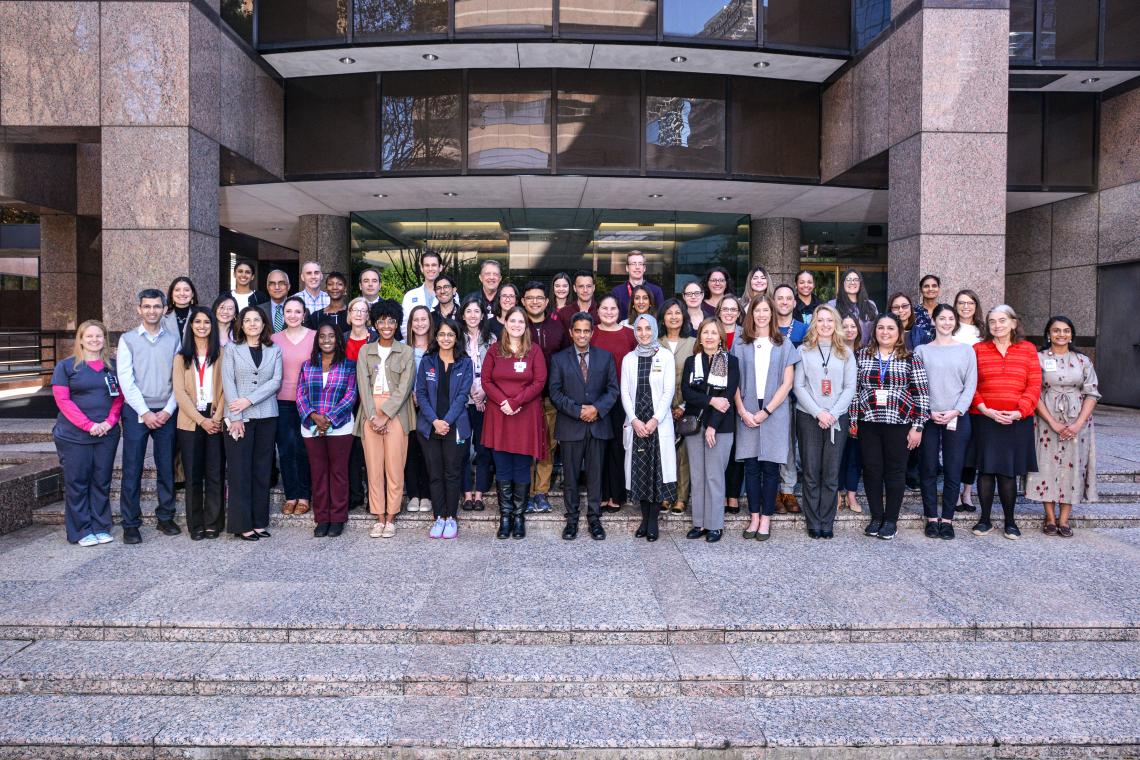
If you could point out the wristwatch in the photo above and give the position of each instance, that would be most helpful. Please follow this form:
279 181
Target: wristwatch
919 427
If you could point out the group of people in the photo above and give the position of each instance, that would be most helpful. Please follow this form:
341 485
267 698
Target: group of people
667 404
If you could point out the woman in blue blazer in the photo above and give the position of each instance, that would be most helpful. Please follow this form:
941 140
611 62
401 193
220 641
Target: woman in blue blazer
443 383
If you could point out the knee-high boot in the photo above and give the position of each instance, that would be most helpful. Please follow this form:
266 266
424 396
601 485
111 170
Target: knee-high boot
506 509
643 529
522 491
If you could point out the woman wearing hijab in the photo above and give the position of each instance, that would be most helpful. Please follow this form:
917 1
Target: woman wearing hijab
648 378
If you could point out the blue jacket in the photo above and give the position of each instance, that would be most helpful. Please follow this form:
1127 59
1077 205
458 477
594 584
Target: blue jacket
462 373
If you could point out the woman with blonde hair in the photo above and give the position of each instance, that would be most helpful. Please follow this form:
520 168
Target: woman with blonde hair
824 387
86 433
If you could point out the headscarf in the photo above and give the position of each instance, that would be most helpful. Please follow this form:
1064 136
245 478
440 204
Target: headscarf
650 348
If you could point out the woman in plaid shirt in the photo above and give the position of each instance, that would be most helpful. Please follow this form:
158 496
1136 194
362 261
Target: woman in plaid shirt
891 406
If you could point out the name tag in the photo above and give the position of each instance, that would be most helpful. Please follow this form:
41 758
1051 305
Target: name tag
825 387
881 396
1050 365
112 383
952 425
520 367
378 384
202 399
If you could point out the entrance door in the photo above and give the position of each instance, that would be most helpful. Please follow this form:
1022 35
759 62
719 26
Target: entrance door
1118 335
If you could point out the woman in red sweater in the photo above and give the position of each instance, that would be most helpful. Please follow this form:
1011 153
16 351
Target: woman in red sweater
513 376
1009 385
619 341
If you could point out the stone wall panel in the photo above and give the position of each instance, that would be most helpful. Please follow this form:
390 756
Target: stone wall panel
145 56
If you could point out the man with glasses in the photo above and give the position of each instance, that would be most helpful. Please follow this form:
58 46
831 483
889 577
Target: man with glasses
277 285
583 298
445 307
635 267
490 277
550 336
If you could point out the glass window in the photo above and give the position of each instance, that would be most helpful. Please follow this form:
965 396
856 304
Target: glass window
1022 23
625 17
508 120
775 128
711 19
1070 145
293 21
421 120
598 113
330 124
808 23
684 123
872 17
380 18
1122 31
499 15
1068 30
238 15
1023 168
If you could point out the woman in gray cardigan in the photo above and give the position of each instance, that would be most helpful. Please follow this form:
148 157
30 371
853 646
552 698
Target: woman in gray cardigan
763 419
824 386
251 377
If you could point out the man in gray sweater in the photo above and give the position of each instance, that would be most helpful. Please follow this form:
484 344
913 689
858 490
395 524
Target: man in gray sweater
144 363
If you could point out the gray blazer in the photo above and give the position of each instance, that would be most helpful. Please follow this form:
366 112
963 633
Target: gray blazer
242 379
769 442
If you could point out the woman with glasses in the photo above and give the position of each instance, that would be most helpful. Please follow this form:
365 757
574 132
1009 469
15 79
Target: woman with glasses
225 309
360 332
902 307
716 284
728 314
477 339
611 336
971 330
853 301
693 297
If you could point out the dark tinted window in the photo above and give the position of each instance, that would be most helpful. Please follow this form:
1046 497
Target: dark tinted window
1023 165
1122 31
379 18
421 120
296 21
598 120
1022 25
1069 139
330 124
775 128
503 15
871 17
238 14
711 19
684 123
508 120
629 17
1068 30
808 23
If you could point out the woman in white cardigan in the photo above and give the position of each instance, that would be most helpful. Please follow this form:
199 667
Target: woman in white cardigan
648 378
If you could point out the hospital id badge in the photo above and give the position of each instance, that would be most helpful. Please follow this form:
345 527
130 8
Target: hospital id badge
112 384
1050 365
881 396
825 387
378 384
201 399
520 367
952 425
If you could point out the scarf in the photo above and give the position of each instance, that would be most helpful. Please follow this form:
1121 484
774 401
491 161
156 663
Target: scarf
718 369
649 349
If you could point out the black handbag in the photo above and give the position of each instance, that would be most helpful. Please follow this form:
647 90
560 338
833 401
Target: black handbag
690 424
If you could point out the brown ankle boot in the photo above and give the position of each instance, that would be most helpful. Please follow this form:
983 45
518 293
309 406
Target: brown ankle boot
790 503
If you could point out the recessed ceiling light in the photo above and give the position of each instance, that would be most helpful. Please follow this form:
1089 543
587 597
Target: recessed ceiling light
347 61
724 197
1090 80
450 194
430 57
276 229
761 64
655 195
379 195
678 59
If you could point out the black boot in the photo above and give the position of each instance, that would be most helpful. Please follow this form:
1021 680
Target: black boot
653 512
522 491
643 529
506 524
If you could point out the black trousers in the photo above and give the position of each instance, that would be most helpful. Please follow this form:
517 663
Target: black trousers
589 452
885 454
417 482
357 480
613 462
205 485
444 459
249 460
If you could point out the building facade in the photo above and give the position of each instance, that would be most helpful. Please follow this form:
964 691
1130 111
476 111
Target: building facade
992 142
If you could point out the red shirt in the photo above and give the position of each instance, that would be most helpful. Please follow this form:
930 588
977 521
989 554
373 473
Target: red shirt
619 343
519 381
1010 382
352 348
566 313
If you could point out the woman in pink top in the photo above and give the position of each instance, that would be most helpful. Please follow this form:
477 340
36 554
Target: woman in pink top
296 344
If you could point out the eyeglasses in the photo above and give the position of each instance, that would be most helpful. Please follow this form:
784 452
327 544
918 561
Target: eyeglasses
717 280
691 293
729 308
901 307
534 298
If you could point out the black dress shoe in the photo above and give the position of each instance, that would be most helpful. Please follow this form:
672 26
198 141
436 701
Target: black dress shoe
731 510
168 527
826 534
570 532
209 533
131 536
695 533
250 537
335 529
261 533
468 505
356 505
321 530
597 532
197 535
713 536
813 533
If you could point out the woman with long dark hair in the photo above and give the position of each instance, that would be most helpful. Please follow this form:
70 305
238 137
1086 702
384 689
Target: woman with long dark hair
640 302
475 334
180 296
506 299
562 294
225 310
852 300
716 283
851 465
914 334
676 336
757 284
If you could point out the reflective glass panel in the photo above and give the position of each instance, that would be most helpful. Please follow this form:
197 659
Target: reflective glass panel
1023 163
285 21
1069 30
238 15
775 128
1070 146
625 17
871 17
684 123
597 120
508 120
1022 23
711 19
378 18
421 120
808 23
330 124
1122 31
503 15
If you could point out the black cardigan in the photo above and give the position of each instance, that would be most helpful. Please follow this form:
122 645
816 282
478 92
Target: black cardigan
697 398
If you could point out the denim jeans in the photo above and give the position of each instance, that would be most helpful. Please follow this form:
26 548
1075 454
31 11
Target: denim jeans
291 450
761 482
482 457
851 467
135 437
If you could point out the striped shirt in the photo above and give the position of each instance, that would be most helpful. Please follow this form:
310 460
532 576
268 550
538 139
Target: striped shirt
1010 382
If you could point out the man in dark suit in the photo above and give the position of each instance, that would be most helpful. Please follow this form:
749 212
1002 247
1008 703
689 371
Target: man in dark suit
584 389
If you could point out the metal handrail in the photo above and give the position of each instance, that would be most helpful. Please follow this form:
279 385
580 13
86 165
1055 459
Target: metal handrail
43 347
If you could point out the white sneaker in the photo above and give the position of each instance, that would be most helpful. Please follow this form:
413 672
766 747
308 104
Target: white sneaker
104 538
90 540
413 505
437 528
425 505
377 530
450 529
389 530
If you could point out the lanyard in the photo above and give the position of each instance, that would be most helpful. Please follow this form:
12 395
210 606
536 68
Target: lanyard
201 371
883 372
824 361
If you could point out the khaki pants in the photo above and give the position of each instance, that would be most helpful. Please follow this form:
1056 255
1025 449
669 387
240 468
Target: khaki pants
543 469
384 456
682 471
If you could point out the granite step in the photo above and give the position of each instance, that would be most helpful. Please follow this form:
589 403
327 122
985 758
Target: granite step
945 726
552 671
